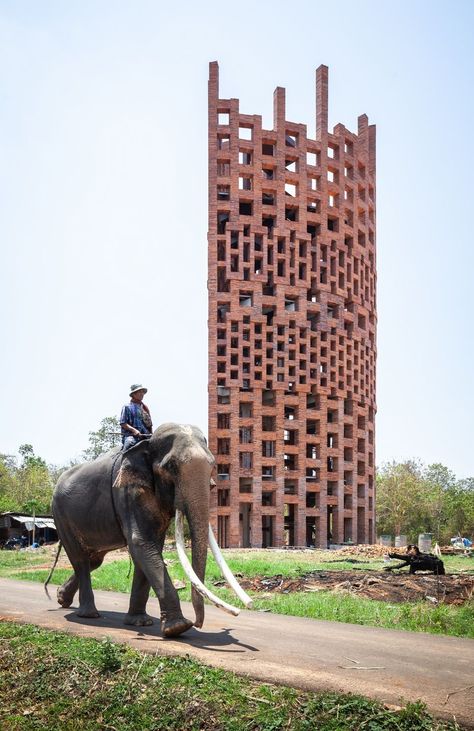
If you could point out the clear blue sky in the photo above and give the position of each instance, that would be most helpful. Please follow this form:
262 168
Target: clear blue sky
103 202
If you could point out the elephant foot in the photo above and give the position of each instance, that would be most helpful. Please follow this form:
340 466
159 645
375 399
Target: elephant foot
175 627
138 620
63 598
88 612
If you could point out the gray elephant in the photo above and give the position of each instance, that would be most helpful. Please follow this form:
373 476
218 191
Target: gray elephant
129 498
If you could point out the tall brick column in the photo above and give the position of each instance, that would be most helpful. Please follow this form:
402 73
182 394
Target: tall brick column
292 325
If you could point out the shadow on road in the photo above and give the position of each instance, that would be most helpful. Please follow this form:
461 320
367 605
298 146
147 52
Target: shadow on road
211 641
216 641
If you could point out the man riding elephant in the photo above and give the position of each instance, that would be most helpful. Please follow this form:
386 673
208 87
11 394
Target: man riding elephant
135 419
128 498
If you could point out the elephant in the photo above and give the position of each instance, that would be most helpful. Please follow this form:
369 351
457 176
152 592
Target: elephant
128 498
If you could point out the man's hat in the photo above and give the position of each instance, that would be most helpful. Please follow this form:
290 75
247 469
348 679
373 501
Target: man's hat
137 387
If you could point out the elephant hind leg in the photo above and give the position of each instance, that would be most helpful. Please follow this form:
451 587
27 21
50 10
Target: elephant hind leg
83 563
67 591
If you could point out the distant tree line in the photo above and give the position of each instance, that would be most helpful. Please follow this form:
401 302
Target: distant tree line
410 498
27 482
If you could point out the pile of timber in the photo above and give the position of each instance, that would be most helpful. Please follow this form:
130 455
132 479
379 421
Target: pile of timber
365 551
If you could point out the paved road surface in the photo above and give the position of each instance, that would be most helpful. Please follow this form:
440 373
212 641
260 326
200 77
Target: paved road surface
304 653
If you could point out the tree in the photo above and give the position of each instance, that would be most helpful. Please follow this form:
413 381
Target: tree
460 508
29 457
401 501
34 481
7 483
439 480
415 499
105 438
28 481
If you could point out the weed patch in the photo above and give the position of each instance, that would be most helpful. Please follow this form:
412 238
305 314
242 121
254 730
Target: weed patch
340 607
57 682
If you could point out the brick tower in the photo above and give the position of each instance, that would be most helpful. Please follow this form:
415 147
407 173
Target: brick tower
292 323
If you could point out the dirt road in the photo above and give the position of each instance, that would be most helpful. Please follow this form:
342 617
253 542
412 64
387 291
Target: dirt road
389 665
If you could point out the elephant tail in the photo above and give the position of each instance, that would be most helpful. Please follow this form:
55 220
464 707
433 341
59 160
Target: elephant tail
60 545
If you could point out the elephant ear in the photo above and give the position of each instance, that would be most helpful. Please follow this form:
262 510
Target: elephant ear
136 468
169 465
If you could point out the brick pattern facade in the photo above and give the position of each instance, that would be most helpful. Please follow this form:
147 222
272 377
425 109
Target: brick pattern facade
292 323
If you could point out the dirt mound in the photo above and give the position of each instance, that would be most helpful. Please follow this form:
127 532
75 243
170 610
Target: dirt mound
379 585
364 551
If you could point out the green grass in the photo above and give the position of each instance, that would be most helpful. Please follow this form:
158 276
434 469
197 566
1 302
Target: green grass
452 620
10 561
416 617
58 682
251 563
291 563
258 562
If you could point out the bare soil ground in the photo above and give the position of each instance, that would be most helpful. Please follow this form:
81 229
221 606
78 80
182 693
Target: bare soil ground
379 585
383 586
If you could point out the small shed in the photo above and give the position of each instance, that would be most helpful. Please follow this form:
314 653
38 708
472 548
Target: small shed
15 525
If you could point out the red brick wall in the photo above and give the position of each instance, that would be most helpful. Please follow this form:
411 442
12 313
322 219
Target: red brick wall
292 324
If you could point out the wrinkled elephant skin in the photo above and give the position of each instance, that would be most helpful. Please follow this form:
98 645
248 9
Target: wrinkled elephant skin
128 499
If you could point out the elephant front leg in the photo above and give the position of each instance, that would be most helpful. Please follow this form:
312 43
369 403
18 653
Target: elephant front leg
137 615
147 556
172 622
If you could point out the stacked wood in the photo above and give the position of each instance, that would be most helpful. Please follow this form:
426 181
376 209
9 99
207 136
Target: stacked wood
364 550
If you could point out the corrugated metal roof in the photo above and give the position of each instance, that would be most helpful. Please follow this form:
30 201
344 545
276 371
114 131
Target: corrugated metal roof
27 520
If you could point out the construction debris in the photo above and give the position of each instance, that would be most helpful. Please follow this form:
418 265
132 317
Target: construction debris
378 585
363 551
456 551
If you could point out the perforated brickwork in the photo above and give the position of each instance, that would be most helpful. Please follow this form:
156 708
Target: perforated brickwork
292 322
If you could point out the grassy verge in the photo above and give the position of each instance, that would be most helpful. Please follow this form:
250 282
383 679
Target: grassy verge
55 682
442 619
415 617
251 563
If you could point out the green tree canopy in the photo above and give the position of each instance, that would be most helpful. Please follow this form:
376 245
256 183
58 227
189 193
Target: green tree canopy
399 488
29 481
413 499
105 438
29 458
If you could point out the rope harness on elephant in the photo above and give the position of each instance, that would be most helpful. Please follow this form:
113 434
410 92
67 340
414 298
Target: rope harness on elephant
119 455
112 481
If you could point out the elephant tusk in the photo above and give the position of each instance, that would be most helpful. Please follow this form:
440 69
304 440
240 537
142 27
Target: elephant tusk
190 573
226 572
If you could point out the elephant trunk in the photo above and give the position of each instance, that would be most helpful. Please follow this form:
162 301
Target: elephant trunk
193 500
198 530
199 590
